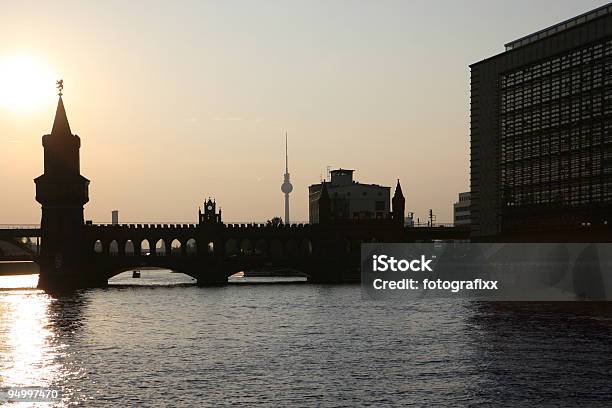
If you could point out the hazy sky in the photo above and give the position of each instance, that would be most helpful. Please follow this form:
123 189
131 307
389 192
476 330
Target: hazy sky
176 101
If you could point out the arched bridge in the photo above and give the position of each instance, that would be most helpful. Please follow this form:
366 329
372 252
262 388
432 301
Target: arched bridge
19 242
213 252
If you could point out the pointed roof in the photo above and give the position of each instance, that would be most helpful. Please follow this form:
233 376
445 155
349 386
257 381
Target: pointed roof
60 124
398 190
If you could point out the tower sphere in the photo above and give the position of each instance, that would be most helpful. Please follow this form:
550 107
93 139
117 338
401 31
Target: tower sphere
286 187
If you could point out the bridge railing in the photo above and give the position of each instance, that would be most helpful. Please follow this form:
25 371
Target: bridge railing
431 225
233 224
19 226
143 225
193 225
230 224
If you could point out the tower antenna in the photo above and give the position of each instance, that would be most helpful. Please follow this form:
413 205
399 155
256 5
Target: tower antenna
286 187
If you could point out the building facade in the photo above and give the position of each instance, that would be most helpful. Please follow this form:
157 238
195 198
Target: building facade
541 131
350 199
461 209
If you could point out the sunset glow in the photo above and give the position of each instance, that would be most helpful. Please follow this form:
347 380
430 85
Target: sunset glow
26 82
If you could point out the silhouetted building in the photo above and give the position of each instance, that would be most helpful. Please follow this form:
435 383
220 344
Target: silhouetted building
541 131
399 205
210 214
461 209
62 193
350 199
115 217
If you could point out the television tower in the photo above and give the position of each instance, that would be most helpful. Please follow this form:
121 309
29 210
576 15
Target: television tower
286 187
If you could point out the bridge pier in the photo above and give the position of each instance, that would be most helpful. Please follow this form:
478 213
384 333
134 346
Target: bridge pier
68 278
333 271
211 280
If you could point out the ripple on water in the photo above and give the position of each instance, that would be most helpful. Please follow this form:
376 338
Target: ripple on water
296 344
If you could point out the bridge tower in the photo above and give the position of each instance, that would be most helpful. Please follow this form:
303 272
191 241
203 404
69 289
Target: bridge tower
325 214
399 204
210 215
62 192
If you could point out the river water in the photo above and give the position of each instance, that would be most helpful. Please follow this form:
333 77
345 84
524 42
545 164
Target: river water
159 341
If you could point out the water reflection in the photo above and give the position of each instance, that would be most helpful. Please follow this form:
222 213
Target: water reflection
541 352
296 344
151 277
26 358
36 331
18 282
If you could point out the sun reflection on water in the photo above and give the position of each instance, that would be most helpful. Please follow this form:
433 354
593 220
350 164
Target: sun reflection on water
18 282
28 349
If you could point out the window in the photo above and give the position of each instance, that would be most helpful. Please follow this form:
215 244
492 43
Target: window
553 132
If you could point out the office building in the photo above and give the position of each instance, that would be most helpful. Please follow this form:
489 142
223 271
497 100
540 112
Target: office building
461 210
541 132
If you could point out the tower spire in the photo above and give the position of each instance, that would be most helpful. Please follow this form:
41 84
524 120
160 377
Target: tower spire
399 204
61 127
62 192
398 190
286 187
60 123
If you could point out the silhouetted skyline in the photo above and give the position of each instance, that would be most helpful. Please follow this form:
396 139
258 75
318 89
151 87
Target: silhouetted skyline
197 94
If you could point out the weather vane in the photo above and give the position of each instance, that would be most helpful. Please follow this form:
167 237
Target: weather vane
60 86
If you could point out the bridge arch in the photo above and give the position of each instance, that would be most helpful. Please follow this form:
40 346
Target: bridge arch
246 247
98 247
292 248
113 248
176 247
261 247
145 247
191 247
128 248
160 247
210 248
231 247
306 247
276 248
22 246
150 266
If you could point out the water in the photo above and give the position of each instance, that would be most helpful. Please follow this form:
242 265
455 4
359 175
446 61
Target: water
291 344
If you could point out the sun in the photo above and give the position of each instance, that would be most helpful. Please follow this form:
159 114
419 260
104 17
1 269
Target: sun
27 83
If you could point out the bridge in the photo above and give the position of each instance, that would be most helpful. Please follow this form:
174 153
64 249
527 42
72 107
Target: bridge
19 241
73 253
211 252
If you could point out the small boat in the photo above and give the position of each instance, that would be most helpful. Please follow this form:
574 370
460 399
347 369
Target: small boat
135 274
